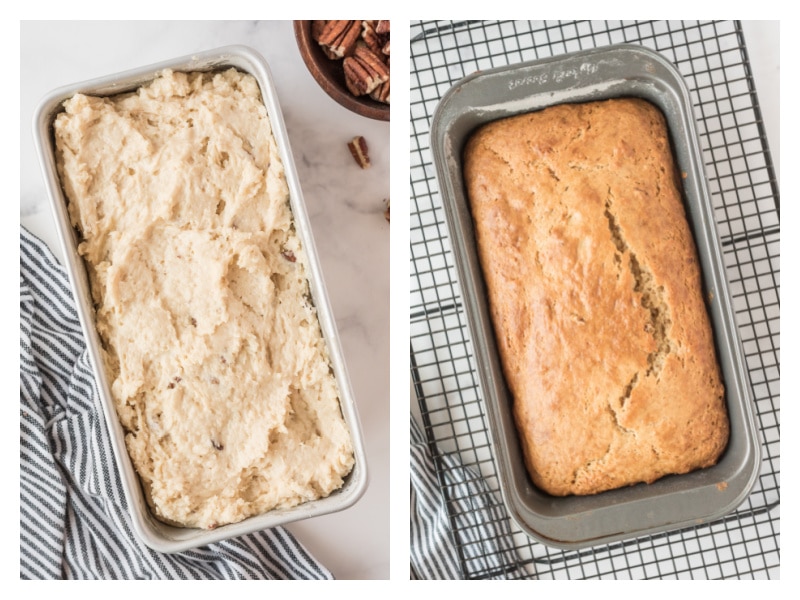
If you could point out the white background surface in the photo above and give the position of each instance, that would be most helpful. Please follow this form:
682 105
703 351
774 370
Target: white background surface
762 39
345 207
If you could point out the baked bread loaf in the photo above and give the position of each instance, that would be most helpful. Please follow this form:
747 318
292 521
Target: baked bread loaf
595 295
218 368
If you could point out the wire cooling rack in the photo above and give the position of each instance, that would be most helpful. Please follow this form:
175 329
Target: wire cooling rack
712 57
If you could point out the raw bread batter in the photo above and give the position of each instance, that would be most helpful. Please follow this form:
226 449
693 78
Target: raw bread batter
220 374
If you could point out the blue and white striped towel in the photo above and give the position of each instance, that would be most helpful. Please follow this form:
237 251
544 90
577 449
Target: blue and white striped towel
481 536
73 515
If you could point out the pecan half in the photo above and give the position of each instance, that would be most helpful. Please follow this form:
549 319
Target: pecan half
381 93
340 37
317 27
371 37
357 77
373 60
358 148
364 71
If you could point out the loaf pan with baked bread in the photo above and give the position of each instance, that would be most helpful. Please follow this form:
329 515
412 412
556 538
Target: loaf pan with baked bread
159 533
569 518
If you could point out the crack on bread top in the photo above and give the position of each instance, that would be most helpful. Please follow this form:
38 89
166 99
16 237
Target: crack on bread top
652 296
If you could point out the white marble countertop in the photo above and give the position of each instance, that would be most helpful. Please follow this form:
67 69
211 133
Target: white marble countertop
345 206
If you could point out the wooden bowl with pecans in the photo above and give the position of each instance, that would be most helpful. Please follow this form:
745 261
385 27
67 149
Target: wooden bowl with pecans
350 62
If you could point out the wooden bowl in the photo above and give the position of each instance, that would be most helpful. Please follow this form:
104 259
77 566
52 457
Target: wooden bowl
329 74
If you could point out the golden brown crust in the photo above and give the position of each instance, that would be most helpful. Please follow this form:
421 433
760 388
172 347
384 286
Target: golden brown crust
595 295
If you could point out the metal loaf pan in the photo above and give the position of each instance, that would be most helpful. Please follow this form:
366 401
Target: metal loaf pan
154 533
674 501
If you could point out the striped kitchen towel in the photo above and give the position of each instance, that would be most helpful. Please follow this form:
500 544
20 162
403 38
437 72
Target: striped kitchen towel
480 536
73 515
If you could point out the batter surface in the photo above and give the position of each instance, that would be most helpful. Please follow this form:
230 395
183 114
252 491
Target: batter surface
220 373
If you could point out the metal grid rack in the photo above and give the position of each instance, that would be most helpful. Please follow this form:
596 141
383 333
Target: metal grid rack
712 57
